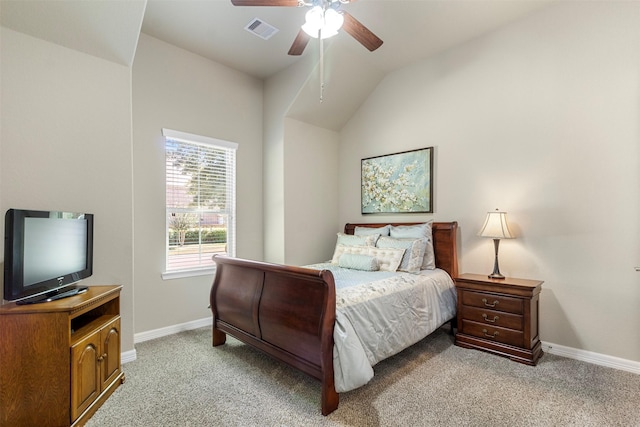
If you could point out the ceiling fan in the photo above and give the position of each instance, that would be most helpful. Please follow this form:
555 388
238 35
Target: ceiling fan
323 20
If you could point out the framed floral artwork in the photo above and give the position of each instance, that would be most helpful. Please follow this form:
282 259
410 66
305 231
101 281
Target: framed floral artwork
398 183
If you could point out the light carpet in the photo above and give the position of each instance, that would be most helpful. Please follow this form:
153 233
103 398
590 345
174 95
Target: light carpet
181 380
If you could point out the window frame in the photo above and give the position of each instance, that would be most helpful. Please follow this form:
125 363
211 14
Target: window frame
231 195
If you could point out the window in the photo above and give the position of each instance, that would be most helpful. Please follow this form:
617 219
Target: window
200 202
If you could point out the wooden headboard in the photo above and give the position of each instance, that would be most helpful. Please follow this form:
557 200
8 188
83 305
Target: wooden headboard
444 241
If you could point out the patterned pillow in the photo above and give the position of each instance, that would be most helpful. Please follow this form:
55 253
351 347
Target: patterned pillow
358 262
388 258
362 240
351 240
420 231
363 231
413 255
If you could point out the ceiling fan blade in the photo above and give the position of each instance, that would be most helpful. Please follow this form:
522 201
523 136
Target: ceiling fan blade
291 3
299 43
360 32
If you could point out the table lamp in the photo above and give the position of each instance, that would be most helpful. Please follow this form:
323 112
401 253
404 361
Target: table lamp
496 227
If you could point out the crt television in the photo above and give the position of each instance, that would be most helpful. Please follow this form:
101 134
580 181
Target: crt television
45 252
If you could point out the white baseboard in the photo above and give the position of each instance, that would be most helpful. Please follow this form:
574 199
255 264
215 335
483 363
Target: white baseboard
591 357
170 330
130 356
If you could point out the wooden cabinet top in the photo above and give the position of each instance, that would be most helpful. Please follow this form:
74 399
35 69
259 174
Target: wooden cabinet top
508 285
94 294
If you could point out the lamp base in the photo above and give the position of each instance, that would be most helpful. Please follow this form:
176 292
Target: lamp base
496 270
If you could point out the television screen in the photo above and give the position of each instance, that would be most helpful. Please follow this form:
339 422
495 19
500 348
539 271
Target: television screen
53 248
46 251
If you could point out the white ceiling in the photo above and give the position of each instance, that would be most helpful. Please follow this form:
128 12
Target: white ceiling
412 30
106 29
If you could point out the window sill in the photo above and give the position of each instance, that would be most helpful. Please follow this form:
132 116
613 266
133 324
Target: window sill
169 275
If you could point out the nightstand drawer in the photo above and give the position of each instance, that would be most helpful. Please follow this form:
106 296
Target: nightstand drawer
493 302
493 333
493 318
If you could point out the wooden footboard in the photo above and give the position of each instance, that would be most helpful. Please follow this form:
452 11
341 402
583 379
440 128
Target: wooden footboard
287 312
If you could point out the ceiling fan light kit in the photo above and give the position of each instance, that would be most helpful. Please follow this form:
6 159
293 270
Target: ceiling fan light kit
322 23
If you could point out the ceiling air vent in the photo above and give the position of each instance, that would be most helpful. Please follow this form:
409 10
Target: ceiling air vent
261 28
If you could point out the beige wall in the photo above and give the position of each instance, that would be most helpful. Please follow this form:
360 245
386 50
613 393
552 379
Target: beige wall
310 187
300 174
66 145
175 89
540 119
280 91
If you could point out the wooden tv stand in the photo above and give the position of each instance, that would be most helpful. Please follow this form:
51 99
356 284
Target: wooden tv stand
59 360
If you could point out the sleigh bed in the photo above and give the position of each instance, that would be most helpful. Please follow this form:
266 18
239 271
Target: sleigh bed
290 312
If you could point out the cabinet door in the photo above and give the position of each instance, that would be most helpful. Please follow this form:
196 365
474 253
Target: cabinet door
110 362
85 373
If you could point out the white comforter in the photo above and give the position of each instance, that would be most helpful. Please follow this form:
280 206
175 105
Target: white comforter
379 314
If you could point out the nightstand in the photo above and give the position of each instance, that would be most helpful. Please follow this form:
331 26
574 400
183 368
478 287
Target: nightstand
499 316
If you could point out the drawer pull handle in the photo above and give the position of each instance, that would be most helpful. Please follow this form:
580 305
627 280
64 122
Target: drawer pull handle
486 318
495 334
495 302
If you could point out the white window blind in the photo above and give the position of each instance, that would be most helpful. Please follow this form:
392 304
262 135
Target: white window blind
200 200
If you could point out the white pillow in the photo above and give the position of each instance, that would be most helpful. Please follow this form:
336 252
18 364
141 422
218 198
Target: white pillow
351 240
413 255
417 232
388 258
363 231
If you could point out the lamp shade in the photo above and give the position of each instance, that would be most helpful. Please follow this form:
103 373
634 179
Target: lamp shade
495 226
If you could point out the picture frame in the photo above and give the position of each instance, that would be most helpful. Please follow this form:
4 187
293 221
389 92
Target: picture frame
398 183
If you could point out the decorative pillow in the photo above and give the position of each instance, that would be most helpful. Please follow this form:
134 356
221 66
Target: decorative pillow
351 240
358 262
388 258
345 249
417 232
363 231
413 255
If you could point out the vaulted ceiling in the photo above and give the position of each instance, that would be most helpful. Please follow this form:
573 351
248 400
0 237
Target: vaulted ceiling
412 30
